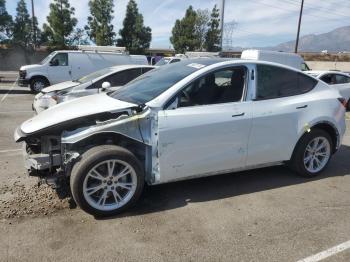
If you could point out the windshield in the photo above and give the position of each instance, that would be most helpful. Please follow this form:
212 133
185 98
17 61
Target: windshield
163 61
94 75
150 85
48 58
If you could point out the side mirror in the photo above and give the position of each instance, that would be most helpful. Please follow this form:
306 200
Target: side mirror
54 62
105 86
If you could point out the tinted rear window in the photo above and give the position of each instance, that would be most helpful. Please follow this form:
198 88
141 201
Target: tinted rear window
275 82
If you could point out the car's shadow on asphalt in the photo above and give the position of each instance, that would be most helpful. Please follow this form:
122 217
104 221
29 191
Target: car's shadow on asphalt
15 92
179 194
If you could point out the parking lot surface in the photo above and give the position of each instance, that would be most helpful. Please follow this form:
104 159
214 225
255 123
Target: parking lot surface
261 215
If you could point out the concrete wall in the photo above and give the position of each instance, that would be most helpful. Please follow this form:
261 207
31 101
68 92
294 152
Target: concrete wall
321 65
13 58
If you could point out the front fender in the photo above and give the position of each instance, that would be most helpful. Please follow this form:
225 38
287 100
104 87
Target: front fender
31 75
123 125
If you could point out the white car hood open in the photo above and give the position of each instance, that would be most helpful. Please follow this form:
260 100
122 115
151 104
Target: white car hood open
73 109
60 86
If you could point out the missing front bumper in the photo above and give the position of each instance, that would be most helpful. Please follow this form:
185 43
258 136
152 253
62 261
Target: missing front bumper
41 164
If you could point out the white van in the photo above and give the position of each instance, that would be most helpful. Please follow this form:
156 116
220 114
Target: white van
288 59
67 65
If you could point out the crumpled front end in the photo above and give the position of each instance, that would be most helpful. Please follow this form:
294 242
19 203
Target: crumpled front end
43 157
50 153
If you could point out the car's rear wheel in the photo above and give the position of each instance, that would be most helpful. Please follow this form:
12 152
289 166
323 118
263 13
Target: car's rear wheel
37 84
107 180
312 153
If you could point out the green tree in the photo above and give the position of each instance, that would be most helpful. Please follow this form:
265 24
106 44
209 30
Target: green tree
36 34
78 37
184 35
99 28
5 19
61 23
22 26
202 20
212 40
134 35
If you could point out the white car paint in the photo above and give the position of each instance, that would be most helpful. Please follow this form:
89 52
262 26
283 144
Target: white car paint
288 59
74 109
344 89
80 63
69 90
217 138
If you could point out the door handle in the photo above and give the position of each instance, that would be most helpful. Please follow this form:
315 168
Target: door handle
242 114
301 107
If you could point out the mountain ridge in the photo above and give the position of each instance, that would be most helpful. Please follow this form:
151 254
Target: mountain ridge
337 40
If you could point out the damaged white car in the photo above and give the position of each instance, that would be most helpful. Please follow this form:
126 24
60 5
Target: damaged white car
189 119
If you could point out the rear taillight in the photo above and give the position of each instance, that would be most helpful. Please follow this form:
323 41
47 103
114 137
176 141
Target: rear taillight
343 101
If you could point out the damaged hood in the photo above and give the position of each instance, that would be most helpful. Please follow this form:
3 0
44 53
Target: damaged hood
60 86
74 109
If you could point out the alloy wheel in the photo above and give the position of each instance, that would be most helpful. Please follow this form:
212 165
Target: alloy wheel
110 185
317 154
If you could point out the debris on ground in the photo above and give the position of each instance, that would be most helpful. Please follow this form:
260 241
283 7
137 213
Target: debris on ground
33 201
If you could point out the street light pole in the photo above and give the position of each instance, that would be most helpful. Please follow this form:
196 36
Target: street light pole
33 25
299 24
222 23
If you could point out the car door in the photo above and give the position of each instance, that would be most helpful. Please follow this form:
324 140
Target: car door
277 112
200 133
59 69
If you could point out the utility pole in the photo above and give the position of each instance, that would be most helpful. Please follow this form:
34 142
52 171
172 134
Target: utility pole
222 23
33 25
299 24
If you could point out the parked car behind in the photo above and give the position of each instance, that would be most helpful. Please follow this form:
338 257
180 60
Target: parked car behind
107 79
189 119
169 60
67 65
337 80
288 59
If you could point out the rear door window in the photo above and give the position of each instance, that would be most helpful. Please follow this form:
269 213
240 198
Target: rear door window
329 79
341 79
276 82
123 77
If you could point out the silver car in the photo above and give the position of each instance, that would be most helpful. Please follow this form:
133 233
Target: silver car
107 79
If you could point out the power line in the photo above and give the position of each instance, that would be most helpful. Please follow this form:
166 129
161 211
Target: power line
294 10
314 7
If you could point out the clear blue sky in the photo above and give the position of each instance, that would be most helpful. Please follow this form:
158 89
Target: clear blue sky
259 22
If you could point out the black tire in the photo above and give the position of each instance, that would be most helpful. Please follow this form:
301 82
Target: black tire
297 161
37 84
91 158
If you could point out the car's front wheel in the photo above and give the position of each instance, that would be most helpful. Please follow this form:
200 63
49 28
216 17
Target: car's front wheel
312 154
107 180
